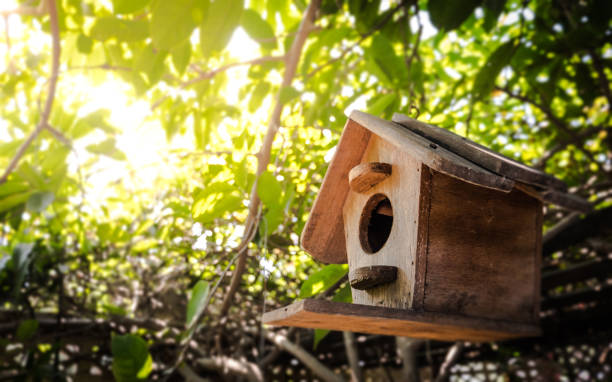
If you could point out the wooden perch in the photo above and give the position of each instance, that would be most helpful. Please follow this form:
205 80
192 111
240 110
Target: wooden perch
370 277
367 175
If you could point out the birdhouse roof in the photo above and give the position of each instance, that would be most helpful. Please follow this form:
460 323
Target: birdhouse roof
439 149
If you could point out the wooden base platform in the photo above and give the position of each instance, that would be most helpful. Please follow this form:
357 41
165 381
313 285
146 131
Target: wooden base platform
323 314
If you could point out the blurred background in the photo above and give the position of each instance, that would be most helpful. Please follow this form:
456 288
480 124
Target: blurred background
159 159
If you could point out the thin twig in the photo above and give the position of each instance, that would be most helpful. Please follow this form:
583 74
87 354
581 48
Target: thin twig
210 74
44 118
263 158
451 357
553 118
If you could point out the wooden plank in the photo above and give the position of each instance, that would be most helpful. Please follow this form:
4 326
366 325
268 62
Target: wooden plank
431 154
483 248
481 155
331 315
323 234
364 176
402 191
422 238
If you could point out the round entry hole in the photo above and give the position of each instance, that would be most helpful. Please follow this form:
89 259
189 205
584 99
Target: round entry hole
375 224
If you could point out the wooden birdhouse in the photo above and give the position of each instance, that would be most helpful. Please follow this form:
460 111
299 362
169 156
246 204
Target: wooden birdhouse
442 236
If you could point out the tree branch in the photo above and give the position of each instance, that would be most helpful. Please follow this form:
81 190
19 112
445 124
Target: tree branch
553 118
210 74
227 365
263 157
451 357
306 358
44 118
353 356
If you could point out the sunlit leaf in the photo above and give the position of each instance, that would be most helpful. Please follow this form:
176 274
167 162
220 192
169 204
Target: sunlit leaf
269 189
258 29
219 23
131 358
173 21
123 30
322 280
381 104
196 303
108 148
39 201
129 6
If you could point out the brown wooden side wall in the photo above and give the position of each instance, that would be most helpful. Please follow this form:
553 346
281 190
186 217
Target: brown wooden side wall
479 254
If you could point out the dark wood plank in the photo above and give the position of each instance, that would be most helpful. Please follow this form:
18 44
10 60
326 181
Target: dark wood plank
422 238
331 315
482 251
323 234
481 155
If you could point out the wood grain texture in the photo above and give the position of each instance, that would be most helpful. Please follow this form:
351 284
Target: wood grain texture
422 238
481 155
331 315
434 156
323 234
364 176
402 190
482 251
365 278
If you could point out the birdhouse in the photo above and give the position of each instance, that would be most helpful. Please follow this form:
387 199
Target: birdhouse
442 236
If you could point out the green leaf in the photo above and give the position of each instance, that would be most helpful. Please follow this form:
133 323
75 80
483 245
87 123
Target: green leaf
287 94
131 358
259 94
14 200
151 62
319 334
269 189
323 279
12 187
173 21
107 148
106 28
449 15
26 330
84 44
485 79
258 29
39 201
21 261
219 23
144 245
129 6
492 10
181 54
379 106
196 303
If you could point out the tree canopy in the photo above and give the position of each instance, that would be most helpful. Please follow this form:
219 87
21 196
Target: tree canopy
159 158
